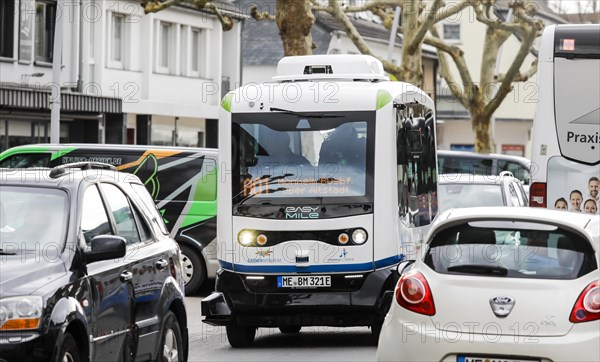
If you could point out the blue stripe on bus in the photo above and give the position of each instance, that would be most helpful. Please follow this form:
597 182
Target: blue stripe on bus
329 268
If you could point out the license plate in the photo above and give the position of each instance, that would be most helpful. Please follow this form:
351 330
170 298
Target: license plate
305 281
492 359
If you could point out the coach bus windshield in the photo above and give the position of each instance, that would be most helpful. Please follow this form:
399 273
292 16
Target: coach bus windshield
310 156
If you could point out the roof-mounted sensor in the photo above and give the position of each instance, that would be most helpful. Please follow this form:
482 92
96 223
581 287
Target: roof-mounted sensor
325 67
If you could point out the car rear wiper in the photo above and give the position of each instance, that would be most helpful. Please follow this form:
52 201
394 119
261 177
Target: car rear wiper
479 269
293 113
2 252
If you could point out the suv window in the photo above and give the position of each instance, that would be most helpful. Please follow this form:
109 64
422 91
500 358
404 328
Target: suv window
122 213
475 166
511 249
150 206
94 220
518 170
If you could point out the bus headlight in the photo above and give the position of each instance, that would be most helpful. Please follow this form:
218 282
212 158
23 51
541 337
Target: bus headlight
359 236
246 237
19 313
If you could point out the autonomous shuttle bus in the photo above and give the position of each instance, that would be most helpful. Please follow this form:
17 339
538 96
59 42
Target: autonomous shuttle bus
566 128
327 176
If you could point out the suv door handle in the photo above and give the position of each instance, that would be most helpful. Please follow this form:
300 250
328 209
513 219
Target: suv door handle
161 264
126 276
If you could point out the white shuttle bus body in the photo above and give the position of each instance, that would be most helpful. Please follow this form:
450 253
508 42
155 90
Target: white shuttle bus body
566 128
328 175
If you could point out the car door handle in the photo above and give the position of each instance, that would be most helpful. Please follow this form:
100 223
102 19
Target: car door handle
161 264
126 276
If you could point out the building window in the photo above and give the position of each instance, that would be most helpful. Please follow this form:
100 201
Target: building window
7 19
118 24
117 40
452 32
165 35
45 18
196 46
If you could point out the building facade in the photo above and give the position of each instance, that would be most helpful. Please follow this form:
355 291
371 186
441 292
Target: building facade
126 77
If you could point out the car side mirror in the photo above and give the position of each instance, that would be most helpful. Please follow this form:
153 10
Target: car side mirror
105 247
402 266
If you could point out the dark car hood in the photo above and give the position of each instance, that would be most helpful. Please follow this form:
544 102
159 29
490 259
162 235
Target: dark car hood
23 275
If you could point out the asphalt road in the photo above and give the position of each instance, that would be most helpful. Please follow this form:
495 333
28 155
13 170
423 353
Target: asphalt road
208 343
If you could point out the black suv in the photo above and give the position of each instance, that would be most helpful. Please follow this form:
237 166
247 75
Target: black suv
87 269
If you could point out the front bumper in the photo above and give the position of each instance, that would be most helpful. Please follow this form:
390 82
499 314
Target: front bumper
243 302
427 343
24 347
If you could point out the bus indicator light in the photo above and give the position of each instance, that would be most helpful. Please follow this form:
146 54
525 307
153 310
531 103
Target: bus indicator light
568 45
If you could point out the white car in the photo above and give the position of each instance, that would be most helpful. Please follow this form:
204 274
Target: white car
499 284
467 190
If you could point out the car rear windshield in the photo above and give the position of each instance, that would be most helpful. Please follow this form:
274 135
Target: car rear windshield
511 249
469 195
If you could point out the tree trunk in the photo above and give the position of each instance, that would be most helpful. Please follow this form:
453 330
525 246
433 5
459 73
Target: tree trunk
483 136
295 20
411 69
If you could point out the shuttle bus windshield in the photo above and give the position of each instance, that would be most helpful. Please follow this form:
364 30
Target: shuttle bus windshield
286 156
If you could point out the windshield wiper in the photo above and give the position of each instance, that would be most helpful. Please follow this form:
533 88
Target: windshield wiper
479 269
293 113
2 252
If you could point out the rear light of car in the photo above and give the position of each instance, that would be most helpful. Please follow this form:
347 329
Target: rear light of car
537 194
413 293
587 306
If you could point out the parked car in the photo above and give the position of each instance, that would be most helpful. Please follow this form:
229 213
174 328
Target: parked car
499 284
484 164
88 271
466 190
181 180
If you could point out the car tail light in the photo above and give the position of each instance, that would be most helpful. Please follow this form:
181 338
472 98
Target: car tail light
413 293
537 194
587 306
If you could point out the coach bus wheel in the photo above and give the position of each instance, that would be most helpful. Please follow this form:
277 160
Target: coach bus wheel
240 336
290 329
194 271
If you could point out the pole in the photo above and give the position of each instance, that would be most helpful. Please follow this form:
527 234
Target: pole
56 70
393 33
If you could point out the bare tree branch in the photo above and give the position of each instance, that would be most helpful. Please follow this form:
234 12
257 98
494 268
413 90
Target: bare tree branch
520 77
512 72
457 56
154 6
257 15
343 19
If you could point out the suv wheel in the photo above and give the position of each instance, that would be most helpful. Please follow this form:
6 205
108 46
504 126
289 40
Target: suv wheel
68 350
194 271
240 336
171 345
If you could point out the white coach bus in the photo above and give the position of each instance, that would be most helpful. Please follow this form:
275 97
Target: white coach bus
566 128
327 174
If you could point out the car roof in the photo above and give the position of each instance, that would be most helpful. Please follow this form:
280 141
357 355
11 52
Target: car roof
70 179
467 154
468 178
575 220
120 147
